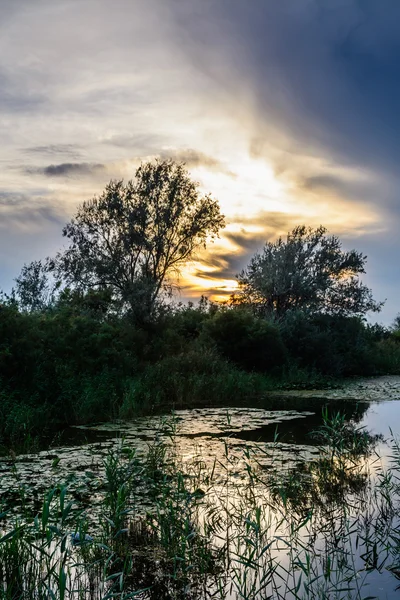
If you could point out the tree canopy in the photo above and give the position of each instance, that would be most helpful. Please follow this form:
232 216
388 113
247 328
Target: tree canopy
34 290
135 235
309 270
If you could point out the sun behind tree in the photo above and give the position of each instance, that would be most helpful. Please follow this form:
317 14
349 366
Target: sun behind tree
309 270
134 236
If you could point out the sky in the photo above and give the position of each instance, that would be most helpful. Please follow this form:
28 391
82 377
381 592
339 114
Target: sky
285 111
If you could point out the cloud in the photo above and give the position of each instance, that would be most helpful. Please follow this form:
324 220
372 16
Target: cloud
15 99
362 190
310 88
332 182
316 78
225 259
216 271
143 144
20 211
194 159
68 170
149 149
54 150
30 229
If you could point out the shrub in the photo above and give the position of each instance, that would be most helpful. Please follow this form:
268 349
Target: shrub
250 342
334 345
196 377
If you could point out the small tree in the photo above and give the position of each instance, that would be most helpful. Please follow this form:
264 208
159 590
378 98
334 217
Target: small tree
136 235
309 270
35 290
396 324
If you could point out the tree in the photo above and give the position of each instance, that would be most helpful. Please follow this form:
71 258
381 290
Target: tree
309 270
34 290
134 236
396 324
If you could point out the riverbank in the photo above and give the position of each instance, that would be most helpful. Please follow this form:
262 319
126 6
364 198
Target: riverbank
73 364
363 389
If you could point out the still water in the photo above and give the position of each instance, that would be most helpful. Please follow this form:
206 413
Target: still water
279 439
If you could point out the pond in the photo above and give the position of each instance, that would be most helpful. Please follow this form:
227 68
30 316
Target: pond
294 520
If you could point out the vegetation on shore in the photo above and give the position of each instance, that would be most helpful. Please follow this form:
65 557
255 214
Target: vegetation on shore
71 364
93 333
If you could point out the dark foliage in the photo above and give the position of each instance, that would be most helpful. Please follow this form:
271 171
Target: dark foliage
307 271
250 342
78 362
133 236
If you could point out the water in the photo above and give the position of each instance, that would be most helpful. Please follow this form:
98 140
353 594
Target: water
203 431
199 431
278 441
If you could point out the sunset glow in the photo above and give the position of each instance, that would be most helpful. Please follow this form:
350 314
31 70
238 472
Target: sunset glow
280 137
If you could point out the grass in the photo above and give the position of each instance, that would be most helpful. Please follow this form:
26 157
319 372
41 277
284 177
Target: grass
319 530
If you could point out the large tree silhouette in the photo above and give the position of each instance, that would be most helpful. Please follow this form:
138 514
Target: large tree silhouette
309 270
135 236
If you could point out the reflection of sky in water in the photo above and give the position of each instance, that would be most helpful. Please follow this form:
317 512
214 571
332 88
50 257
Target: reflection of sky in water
206 435
383 416
199 432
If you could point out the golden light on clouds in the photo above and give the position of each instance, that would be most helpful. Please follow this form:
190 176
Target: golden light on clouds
259 205
247 186
277 127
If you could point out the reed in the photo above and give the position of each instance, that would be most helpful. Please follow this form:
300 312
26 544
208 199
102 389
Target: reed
168 529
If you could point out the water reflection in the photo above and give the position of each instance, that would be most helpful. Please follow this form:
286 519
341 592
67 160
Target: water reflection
256 505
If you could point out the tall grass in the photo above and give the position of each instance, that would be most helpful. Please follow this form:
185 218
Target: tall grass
165 529
192 379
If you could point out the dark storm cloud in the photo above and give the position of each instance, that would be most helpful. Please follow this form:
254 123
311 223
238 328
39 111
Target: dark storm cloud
355 190
339 64
325 182
325 72
68 169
